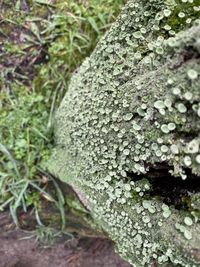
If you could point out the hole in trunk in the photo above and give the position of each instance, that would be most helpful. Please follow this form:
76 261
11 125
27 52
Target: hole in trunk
171 190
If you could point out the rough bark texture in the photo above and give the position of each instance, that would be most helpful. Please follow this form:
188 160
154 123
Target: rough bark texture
128 132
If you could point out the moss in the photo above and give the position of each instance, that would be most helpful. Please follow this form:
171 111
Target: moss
183 13
126 111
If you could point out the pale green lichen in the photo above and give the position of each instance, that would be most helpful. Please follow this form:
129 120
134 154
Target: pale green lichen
132 105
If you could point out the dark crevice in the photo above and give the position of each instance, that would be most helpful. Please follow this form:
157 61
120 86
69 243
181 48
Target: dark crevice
187 55
190 53
171 190
190 135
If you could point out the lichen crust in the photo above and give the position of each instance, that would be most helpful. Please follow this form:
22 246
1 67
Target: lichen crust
134 104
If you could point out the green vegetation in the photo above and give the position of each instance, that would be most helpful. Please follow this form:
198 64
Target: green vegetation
42 43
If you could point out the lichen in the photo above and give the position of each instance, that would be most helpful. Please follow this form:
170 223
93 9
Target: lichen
133 105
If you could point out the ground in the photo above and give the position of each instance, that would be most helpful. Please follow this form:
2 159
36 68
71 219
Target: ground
19 249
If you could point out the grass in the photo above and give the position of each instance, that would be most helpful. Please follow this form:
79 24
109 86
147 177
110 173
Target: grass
42 42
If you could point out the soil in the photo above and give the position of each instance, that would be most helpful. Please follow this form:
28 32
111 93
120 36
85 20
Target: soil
17 249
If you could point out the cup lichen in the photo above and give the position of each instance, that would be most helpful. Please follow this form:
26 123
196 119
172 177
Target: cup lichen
132 106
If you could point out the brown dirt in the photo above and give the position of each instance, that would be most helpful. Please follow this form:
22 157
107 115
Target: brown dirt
16 250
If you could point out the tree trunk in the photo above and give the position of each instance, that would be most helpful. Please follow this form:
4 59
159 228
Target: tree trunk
128 137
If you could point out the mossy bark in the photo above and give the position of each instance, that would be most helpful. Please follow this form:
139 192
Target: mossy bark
133 110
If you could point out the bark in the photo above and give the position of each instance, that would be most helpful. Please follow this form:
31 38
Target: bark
127 133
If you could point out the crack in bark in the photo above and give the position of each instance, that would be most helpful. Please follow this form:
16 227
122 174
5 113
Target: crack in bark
171 190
